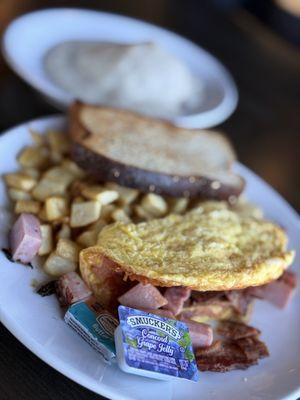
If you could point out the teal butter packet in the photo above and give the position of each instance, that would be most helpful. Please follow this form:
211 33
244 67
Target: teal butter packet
154 346
95 325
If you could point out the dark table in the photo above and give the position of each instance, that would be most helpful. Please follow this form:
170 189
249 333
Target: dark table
265 131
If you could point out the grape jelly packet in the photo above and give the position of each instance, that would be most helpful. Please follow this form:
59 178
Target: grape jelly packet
154 346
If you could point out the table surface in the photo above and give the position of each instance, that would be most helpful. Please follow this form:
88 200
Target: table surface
265 130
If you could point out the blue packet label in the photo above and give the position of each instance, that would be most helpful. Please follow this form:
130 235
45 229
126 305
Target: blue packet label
95 325
154 346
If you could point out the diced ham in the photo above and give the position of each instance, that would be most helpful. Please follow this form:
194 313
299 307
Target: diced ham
236 330
176 296
70 288
201 334
25 238
161 312
278 292
143 297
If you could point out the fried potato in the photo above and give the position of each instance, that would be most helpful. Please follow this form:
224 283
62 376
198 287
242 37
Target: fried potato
106 212
120 215
27 206
47 240
64 232
209 248
87 238
142 213
68 249
20 181
33 172
56 208
84 213
58 142
154 204
47 188
38 139
97 192
16 194
126 195
178 206
56 265
34 157
73 168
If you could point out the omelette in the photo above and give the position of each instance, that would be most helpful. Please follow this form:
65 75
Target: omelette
211 248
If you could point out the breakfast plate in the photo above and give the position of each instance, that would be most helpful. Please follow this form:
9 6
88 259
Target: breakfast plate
37 321
29 37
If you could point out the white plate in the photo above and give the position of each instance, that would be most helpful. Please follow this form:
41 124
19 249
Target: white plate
29 37
37 322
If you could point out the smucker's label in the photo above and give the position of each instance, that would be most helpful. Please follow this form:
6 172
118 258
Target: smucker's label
158 344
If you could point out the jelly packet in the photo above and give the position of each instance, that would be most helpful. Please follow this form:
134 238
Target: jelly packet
95 325
154 346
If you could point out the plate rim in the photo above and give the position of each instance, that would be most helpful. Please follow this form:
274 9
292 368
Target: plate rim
213 117
58 364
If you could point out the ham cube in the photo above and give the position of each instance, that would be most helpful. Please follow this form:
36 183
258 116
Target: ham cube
201 334
70 288
143 297
176 296
25 238
278 292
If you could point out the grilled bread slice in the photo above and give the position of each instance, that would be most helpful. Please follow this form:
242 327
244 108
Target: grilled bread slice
152 155
206 249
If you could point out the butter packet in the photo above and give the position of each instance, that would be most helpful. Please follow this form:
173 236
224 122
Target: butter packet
95 325
154 346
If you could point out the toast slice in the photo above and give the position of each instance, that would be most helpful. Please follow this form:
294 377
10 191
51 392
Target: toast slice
152 155
207 249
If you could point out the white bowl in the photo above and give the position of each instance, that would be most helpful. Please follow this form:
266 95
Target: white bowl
28 38
38 321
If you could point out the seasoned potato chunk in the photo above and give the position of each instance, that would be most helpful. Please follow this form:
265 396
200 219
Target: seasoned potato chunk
87 238
59 174
37 138
142 213
73 168
47 240
106 212
34 157
27 206
97 192
58 142
64 232
68 249
42 214
85 213
178 206
46 188
56 265
154 204
33 172
20 181
56 208
16 194
126 195
119 215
